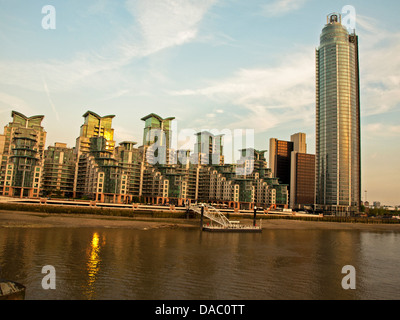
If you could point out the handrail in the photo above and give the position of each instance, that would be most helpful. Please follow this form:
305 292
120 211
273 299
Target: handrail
212 213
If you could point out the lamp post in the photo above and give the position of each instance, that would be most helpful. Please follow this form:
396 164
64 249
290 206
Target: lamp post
255 214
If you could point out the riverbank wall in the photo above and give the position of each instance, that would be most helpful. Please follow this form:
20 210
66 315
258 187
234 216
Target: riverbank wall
178 213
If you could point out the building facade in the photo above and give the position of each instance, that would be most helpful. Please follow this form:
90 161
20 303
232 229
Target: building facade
98 170
21 152
279 159
208 150
281 162
100 176
59 170
302 180
129 159
95 126
338 167
280 152
157 138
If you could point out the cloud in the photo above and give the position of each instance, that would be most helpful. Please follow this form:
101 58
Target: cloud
167 23
53 107
155 25
380 67
379 130
266 97
124 134
9 103
281 7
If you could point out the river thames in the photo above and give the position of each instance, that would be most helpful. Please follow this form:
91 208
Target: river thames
187 264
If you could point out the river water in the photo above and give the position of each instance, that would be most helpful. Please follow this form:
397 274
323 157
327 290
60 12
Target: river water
177 264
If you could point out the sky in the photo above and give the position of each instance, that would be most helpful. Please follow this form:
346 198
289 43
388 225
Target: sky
211 64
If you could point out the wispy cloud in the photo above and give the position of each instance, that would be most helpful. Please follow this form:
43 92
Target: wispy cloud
281 7
53 107
266 97
156 25
380 130
9 102
167 23
124 134
380 67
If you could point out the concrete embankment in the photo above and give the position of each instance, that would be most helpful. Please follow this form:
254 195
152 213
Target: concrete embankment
152 212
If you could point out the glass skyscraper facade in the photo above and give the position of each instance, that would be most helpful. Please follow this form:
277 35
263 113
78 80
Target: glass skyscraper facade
337 119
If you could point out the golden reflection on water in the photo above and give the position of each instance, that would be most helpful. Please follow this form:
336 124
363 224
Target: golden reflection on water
93 264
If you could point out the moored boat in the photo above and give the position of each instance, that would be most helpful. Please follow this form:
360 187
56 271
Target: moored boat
10 290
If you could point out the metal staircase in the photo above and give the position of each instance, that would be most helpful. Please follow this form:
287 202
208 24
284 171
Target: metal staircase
211 213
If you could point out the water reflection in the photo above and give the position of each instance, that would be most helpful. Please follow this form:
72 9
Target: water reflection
93 265
188 264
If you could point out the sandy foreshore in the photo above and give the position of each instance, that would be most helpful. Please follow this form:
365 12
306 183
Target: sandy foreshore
23 219
20 219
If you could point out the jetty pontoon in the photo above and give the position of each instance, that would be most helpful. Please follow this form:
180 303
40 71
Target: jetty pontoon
223 223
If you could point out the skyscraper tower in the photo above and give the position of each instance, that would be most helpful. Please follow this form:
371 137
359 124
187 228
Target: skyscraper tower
337 119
